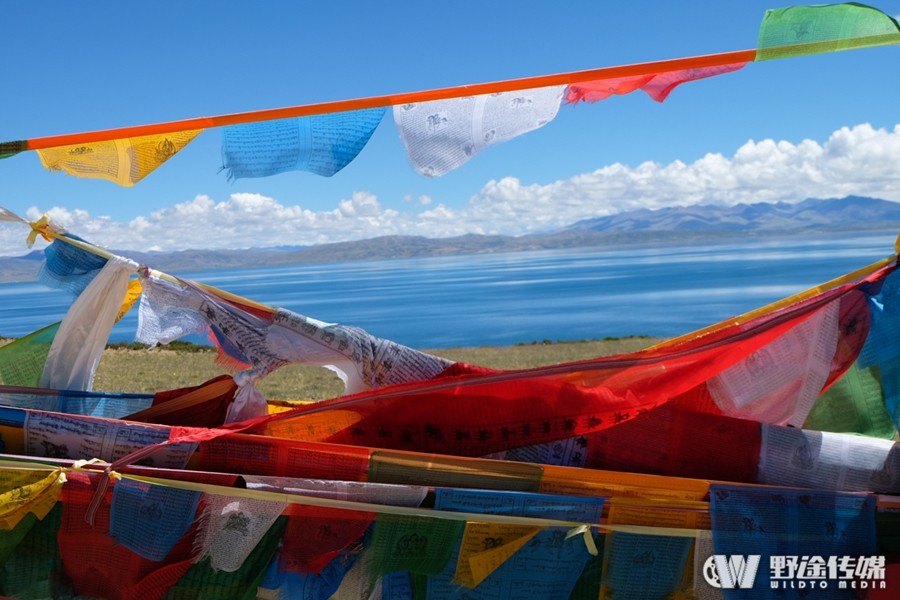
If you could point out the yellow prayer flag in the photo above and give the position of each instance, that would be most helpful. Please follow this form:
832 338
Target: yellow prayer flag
134 292
124 161
26 491
486 546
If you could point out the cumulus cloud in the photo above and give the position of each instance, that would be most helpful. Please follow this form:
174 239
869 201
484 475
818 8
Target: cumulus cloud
858 160
861 160
424 199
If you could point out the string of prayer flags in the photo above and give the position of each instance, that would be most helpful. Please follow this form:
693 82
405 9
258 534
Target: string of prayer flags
727 404
361 360
124 161
801 30
260 345
471 411
320 144
442 135
441 129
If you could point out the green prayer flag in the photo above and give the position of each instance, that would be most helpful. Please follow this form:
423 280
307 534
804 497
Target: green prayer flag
201 581
853 404
34 569
22 361
416 544
802 30
9 539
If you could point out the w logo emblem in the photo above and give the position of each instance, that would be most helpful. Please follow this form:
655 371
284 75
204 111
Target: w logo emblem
730 572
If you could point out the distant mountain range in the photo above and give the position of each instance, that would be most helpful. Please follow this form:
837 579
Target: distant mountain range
682 225
852 211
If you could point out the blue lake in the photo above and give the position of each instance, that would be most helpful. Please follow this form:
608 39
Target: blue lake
509 298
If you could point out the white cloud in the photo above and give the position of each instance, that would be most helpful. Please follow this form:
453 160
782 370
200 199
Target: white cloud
860 160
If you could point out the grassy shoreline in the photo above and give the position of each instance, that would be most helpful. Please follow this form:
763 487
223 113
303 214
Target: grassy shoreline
128 368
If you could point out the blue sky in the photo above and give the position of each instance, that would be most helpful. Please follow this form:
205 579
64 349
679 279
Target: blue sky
788 129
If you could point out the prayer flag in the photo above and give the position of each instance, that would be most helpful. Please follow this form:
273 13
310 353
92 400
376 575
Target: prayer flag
76 349
828 461
417 544
442 135
22 361
658 85
881 349
123 161
320 144
150 519
799 30
23 492
203 581
230 528
69 267
779 524
648 566
32 569
855 403
779 382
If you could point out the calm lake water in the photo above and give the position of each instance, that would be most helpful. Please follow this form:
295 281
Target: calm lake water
509 298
